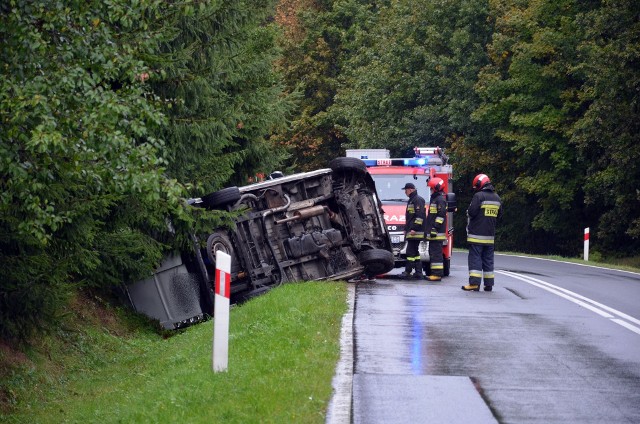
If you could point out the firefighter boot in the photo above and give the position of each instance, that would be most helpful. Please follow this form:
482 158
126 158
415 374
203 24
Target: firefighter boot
434 278
471 287
418 274
407 270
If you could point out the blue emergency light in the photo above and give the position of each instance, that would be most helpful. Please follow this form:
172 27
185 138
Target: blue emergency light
415 162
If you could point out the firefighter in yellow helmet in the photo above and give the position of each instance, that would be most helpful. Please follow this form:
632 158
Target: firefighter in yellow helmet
436 231
482 215
414 230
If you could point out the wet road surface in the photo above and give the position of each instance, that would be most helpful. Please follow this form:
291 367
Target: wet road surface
531 351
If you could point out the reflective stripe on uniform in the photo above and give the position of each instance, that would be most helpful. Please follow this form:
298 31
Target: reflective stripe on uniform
475 273
413 258
488 275
416 235
437 265
473 238
439 220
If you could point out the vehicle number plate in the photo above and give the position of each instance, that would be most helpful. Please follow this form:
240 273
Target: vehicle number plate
396 239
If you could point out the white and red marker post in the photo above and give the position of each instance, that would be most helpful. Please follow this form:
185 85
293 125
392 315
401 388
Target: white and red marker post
586 244
221 312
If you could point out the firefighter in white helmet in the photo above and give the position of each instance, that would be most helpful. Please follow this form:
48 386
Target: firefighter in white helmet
482 215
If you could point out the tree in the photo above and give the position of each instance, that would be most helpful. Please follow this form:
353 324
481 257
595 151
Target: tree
607 135
76 144
108 110
225 98
318 39
560 95
411 81
527 92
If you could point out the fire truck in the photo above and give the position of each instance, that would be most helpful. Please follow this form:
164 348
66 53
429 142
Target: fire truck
390 175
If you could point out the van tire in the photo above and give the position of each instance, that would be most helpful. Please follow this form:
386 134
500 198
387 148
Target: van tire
221 241
348 164
221 198
376 261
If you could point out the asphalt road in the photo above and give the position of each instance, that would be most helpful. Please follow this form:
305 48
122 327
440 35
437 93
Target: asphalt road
553 343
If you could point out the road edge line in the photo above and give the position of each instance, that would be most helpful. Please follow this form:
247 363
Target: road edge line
339 409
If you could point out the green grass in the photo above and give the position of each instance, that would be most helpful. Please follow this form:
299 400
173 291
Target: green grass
283 350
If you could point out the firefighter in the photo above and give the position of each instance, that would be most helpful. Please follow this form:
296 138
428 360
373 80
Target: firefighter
436 227
485 209
414 230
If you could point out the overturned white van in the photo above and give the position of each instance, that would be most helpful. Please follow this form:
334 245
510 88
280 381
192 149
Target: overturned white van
322 225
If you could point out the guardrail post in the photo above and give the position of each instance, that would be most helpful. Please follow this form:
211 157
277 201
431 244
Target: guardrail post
586 244
221 312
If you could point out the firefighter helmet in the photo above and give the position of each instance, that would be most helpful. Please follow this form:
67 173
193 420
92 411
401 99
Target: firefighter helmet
480 181
436 184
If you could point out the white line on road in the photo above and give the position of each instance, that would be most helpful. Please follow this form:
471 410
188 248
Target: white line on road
571 263
585 302
627 325
339 409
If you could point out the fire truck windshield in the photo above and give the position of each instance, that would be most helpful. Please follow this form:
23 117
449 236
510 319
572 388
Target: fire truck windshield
389 187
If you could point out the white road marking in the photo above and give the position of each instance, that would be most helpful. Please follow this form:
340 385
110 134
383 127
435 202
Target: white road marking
339 409
585 302
627 325
571 263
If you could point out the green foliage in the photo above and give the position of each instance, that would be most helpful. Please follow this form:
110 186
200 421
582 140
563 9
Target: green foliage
77 143
109 110
556 95
607 135
319 38
410 82
223 96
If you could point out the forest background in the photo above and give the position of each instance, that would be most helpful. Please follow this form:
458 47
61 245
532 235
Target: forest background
115 111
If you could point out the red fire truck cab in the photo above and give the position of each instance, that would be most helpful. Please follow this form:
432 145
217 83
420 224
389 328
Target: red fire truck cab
390 175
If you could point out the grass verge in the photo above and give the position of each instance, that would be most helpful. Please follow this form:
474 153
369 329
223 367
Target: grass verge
283 348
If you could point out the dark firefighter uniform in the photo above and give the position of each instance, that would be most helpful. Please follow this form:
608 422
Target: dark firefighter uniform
483 212
415 220
436 233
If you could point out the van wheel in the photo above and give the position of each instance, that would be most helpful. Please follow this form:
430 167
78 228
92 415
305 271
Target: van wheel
376 261
220 241
348 164
221 198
